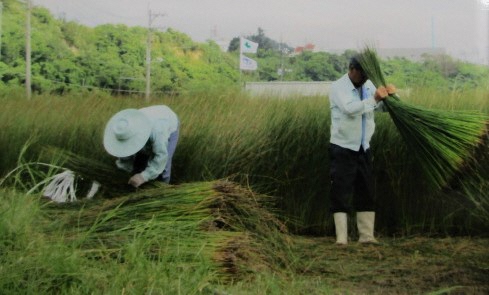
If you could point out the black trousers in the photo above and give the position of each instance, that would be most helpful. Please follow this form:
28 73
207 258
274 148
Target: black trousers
351 180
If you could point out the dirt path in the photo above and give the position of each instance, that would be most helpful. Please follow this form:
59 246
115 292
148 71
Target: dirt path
415 265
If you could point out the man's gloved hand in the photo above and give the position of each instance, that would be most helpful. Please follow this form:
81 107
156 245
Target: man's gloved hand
391 89
380 93
136 180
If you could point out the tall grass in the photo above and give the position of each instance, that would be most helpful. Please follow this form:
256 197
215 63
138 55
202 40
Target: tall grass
277 147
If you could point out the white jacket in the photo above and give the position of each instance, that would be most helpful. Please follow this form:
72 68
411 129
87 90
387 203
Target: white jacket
164 122
346 113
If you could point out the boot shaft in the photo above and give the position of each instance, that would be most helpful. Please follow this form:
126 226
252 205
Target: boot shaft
365 225
341 227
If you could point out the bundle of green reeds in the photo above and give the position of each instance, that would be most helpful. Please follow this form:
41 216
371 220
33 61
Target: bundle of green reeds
442 141
113 181
218 221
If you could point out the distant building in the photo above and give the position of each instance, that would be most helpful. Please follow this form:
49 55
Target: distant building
474 55
309 47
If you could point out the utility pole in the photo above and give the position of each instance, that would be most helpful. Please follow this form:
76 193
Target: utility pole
1 14
432 32
28 51
151 17
282 51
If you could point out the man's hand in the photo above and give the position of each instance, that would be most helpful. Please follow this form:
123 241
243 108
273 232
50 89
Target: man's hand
381 93
391 89
136 180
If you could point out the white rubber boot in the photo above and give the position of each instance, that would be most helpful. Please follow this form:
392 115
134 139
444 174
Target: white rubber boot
341 227
365 224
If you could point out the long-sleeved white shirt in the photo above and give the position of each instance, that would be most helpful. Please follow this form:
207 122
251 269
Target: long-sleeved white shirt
164 122
347 109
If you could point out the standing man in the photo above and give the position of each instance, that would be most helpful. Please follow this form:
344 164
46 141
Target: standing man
353 99
144 142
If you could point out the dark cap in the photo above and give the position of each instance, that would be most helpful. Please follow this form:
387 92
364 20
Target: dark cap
355 64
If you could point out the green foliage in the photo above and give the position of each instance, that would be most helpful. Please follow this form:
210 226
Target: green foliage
266 45
234 45
68 57
321 66
440 72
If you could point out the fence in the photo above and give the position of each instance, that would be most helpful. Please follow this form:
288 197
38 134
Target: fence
287 89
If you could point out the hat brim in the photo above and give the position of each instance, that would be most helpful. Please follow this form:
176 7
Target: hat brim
138 123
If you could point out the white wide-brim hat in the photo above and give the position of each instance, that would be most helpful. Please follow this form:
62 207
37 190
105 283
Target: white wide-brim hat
126 133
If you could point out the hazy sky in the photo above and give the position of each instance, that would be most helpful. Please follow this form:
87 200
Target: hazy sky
460 26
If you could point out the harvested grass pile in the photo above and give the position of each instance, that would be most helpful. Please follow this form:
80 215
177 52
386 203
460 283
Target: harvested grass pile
442 141
230 228
220 222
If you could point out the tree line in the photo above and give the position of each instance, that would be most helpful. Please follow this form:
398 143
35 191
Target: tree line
67 56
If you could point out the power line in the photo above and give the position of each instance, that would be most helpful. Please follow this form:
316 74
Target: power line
102 88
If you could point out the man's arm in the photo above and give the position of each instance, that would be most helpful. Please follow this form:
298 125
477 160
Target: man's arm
157 164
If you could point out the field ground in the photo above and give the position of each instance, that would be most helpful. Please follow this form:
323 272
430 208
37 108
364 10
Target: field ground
414 265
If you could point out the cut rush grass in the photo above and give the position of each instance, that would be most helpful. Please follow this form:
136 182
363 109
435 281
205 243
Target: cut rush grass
442 141
232 227
219 222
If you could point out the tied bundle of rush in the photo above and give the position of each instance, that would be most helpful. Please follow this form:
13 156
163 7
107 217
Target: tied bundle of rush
442 141
235 230
230 227
113 181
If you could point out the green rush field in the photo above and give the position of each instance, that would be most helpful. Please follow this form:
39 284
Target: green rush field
247 210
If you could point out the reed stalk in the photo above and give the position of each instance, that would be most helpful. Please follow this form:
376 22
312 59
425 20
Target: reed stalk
441 141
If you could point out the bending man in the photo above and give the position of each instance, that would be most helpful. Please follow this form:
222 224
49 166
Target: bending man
144 142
